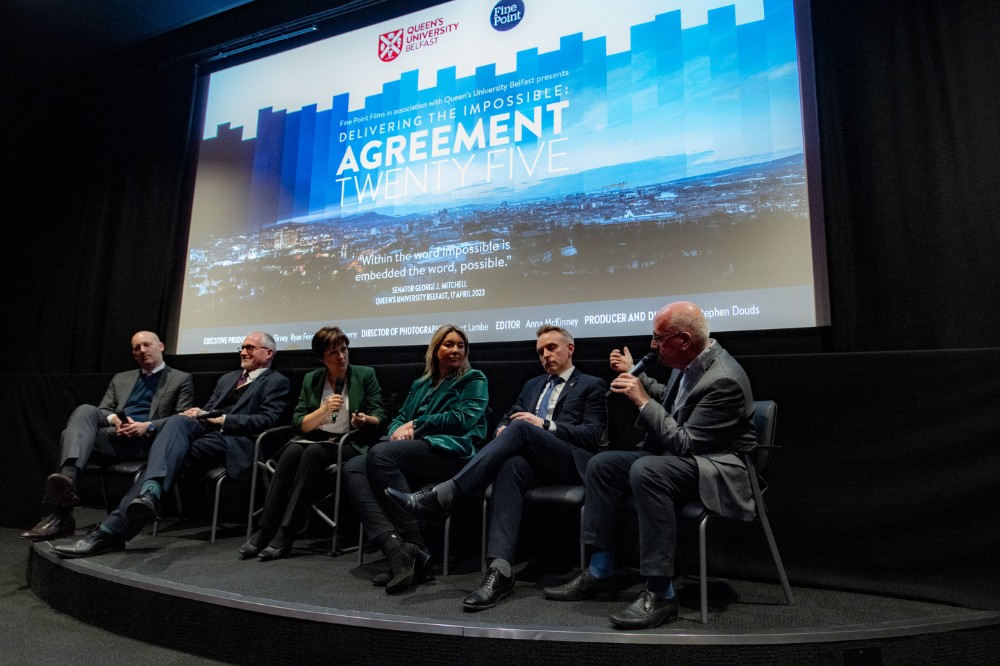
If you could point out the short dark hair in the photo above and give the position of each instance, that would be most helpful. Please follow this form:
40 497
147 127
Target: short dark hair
329 337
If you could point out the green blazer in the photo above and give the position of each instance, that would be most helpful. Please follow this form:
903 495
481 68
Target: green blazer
454 416
363 395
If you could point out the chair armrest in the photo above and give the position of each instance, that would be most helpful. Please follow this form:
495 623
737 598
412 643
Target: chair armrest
285 432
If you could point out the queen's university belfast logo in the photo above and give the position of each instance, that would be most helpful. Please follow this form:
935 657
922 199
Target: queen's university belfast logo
390 45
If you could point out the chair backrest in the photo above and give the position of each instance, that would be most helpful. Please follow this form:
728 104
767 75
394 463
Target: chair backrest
764 417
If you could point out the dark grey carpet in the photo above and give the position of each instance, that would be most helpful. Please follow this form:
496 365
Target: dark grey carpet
182 555
34 633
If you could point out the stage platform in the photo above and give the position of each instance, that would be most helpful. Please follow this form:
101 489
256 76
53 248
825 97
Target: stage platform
179 591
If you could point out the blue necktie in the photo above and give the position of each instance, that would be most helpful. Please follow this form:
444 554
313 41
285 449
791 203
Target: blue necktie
543 406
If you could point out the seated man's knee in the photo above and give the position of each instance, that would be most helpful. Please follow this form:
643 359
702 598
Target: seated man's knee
516 467
515 428
641 471
598 464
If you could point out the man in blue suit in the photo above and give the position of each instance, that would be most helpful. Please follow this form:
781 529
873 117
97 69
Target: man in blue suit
244 404
547 437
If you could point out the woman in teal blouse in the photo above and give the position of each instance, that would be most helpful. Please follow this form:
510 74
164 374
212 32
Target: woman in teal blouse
436 431
338 400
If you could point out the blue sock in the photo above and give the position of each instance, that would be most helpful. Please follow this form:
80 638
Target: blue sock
661 586
152 487
602 564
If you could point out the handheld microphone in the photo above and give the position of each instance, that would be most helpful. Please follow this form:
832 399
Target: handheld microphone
643 363
338 389
211 414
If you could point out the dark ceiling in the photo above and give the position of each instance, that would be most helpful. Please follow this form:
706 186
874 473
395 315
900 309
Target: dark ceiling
98 26
39 38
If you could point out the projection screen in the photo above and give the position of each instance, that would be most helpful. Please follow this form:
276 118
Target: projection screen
504 165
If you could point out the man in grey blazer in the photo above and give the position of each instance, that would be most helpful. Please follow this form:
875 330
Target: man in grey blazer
116 430
694 424
244 404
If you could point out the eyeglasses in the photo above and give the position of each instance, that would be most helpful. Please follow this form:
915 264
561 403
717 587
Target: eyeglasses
249 348
663 338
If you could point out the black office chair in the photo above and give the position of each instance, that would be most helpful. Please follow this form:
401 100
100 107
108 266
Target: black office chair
756 457
131 470
542 496
272 440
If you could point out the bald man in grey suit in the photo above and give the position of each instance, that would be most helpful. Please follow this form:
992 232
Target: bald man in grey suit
694 425
118 429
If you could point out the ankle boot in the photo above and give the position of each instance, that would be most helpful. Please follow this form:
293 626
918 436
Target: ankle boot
423 570
402 559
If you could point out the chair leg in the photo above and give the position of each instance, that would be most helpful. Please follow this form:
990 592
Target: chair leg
583 550
765 523
447 544
482 545
177 500
336 498
104 493
215 507
253 496
703 568
758 497
361 543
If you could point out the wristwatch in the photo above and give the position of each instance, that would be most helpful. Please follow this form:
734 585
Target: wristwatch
150 427
545 424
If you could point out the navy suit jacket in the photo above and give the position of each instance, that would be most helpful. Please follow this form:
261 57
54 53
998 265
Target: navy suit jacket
580 414
260 407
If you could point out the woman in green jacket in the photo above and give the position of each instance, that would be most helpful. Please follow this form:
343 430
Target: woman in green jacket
337 401
436 431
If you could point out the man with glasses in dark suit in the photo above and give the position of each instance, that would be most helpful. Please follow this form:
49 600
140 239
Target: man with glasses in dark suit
244 404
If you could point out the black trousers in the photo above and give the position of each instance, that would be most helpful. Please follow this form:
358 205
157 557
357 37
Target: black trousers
406 465
299 481
659 484
523 457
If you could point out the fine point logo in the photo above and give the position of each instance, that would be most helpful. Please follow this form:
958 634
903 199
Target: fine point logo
506 14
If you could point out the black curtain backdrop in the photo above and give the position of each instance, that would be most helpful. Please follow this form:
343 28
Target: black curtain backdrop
890 414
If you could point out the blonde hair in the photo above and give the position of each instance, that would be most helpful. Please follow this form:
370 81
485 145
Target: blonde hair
430 357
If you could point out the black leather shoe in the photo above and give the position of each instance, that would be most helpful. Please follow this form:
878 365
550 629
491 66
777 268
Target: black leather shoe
51 527
96 542
143 509
646 612
495 586
421 504
60 492
583 586
423 571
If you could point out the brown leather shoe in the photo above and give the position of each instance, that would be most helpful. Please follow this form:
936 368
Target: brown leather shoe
51 527
60 492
